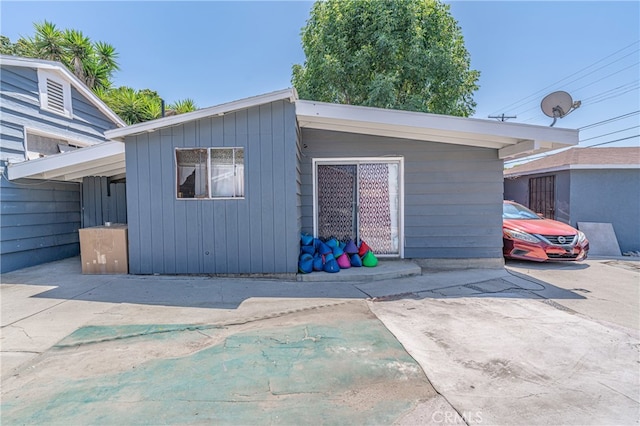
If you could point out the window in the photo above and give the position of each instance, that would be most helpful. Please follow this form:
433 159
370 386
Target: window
55 93
210 173
38 146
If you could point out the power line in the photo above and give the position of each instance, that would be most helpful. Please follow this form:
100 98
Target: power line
575 73
599 123
608 134
609 120
616 140
591 84
631 84
607 76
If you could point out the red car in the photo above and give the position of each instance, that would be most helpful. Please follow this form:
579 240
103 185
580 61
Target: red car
528 236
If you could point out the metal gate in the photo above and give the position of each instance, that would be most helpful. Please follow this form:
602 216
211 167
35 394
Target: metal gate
542 196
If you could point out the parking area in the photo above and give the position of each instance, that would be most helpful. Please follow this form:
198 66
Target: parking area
528 344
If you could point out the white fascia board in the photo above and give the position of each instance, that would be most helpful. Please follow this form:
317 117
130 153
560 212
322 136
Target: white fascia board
374 129
478 132
69 76
69 161
153 125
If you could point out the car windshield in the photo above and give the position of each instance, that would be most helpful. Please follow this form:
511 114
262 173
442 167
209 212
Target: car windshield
516 211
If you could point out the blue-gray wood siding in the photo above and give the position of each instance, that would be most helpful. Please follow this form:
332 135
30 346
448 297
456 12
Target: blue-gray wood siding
20 108
103 201
39 222
39 219
452 193
254 235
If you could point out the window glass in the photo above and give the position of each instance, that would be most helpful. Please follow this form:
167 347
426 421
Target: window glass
192 173
227 172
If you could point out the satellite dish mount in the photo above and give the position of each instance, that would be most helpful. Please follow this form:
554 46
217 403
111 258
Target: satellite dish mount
558 105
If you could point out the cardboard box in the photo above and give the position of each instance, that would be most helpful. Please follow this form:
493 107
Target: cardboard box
104 249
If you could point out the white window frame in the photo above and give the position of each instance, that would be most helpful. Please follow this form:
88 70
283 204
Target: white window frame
357 160
43 75
208 164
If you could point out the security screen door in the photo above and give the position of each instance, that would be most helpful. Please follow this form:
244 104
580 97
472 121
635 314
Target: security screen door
360 200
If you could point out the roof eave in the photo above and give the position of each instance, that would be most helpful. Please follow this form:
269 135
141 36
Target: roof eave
218 110
104 159
512 140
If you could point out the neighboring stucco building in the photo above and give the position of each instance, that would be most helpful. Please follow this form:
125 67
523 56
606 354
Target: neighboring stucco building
47 115
228 189
600 184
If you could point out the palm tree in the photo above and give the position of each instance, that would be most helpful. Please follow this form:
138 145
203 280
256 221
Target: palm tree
94 64
183 105
78 52
48 42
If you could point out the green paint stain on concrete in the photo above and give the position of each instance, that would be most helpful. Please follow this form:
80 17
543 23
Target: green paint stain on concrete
287 375
100 334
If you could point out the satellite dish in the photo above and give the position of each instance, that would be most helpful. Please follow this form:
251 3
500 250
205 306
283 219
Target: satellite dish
557 105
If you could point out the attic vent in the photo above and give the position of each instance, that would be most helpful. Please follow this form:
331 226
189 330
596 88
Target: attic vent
55 96
55 93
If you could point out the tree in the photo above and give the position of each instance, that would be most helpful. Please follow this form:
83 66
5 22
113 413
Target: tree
399 54
94 63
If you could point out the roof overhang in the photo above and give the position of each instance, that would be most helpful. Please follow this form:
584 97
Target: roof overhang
104 159
218 110
512 140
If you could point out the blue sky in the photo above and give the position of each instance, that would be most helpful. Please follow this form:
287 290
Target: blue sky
215 52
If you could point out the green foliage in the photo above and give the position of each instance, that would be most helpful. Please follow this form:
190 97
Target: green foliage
94 64
131 105
400 54
184 105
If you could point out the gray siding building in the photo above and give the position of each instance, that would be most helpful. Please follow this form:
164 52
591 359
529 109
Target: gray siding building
600 185
254 232
228 189
46 112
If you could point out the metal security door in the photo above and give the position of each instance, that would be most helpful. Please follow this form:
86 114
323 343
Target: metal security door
360 199
542 195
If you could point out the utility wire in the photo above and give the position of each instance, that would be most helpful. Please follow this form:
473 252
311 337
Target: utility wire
616 140
521 113
609 120
589 126
575 73
610 133
631 84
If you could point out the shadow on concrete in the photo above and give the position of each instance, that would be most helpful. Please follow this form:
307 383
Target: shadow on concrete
564 265
67 282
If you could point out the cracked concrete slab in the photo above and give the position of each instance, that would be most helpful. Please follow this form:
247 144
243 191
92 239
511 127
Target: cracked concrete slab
519 361
336 364
529 344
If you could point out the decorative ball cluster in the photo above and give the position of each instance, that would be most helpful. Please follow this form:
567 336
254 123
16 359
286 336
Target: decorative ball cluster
332 255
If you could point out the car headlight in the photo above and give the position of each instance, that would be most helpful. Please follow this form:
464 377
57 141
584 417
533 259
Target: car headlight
581 237
517 235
